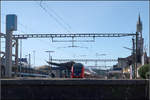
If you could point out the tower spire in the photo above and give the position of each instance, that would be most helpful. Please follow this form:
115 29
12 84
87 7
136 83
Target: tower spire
139 20
139 25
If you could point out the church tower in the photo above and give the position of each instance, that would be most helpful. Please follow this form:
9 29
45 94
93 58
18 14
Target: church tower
140 41
139 26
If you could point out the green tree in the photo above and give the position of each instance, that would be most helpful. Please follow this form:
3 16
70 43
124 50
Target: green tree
144 71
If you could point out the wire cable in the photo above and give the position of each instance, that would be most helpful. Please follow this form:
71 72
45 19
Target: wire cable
50 15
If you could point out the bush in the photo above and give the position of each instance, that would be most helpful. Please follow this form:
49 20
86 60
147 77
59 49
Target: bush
148 75
144 71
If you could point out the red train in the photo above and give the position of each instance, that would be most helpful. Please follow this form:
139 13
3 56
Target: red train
77 70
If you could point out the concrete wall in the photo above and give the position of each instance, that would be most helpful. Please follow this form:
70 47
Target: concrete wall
74 89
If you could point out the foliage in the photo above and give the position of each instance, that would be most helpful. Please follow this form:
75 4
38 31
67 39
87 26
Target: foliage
144 71
148 75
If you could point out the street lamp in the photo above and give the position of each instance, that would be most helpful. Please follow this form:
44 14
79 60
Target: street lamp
50 58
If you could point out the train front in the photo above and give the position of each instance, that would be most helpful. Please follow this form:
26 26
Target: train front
77 71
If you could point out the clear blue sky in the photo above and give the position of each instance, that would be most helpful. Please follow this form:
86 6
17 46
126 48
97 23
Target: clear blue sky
69 16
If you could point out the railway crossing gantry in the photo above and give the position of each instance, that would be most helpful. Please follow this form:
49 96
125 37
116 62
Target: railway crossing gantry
87 60
25 36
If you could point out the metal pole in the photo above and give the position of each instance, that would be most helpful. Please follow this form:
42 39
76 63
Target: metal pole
96 64
16 55
49 64
20 56
105 60
149 43
96 61
50 59
0 54
34 57
49 56
29 62
136 55
133 59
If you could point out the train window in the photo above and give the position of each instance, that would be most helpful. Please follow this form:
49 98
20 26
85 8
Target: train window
77 69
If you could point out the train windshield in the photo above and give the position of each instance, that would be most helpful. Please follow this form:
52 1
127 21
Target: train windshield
77 69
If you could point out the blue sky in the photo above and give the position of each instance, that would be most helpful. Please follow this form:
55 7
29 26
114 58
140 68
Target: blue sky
69 16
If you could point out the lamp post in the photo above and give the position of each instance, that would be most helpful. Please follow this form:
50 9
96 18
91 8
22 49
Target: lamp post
50 58
28 68
29 63
34 57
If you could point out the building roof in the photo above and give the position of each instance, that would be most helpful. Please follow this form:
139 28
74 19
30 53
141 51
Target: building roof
47 67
